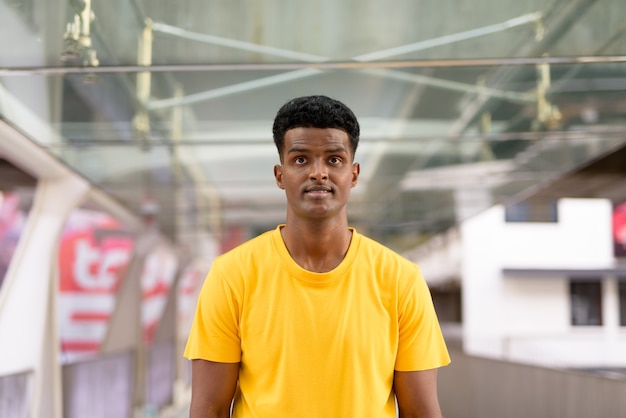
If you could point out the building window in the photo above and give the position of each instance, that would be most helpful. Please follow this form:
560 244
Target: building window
586 302
621 286
532 210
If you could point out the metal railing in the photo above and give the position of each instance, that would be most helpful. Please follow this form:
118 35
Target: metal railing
479 387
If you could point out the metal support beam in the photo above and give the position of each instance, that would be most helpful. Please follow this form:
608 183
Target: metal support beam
308 71
554 26
337 65
141 121
449 39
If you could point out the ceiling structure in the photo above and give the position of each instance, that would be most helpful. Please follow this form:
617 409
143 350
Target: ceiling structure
602 177
168 106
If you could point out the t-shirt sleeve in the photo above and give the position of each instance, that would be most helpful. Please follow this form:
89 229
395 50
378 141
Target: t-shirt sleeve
214 333
421 345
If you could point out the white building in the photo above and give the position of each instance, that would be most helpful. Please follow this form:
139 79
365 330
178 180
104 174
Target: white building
548 293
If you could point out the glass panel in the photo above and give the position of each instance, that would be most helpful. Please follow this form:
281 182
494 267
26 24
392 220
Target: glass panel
99 388
238 33
160 376
15 395
431 93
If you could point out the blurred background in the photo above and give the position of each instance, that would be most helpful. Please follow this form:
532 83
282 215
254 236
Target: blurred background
135 146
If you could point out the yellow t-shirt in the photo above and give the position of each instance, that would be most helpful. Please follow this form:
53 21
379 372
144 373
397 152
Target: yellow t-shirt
311 344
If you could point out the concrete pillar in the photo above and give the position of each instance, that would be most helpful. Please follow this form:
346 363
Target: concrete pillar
610 318
28 326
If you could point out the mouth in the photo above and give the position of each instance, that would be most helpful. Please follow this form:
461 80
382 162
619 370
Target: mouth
318 190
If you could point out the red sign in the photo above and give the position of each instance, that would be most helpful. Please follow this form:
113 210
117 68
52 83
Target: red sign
619 230
93 257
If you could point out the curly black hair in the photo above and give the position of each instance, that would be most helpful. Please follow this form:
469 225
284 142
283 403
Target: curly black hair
315 112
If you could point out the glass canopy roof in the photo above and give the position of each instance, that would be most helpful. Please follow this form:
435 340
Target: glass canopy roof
462 103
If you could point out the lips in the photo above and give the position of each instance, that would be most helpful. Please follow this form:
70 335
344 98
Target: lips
318 189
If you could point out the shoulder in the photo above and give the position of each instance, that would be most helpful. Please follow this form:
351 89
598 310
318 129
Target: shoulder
236 267
384 256
239 262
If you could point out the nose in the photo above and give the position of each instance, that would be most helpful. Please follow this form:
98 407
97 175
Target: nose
318 171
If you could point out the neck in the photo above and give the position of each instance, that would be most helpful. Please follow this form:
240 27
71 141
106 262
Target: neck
317 247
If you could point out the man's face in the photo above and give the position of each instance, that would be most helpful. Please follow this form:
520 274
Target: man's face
317 172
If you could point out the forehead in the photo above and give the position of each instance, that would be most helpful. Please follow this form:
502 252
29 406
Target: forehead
307 138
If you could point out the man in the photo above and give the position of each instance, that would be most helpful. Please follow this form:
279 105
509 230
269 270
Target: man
313 319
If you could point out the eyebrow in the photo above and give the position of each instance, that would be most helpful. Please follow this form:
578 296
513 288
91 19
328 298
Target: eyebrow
328 151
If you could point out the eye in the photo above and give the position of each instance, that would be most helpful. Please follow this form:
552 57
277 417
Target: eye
335 160
299 160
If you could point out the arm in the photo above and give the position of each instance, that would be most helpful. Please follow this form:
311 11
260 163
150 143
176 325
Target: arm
416 392
212 388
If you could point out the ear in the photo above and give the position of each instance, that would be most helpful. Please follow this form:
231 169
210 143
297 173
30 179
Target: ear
356 170
278 175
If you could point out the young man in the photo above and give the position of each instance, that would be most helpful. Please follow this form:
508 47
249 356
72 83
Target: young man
313 319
